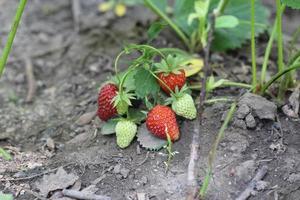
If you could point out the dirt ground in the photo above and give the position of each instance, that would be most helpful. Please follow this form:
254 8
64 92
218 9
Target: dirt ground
70 66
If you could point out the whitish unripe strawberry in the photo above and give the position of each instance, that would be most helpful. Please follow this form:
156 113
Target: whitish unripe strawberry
184 106
125 132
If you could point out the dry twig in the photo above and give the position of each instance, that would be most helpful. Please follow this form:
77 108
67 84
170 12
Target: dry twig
191 181
84 195
76 10
145 159
30 79
250 190
35 175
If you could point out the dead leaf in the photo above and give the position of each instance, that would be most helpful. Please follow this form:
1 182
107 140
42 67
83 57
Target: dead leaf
86 118
58 181
80 139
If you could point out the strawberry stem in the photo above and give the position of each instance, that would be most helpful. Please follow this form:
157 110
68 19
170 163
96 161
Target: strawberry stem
169 149
171 91
117 61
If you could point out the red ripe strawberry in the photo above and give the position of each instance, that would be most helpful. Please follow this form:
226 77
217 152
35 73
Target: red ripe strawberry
161 119
172 80
106 109
170 74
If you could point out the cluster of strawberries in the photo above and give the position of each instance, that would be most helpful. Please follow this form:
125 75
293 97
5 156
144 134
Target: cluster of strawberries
161 119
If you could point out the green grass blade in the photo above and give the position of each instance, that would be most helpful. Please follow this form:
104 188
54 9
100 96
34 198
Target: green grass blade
11 35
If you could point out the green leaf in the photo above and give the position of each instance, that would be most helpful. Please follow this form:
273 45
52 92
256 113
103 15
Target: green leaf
182 10
235 37
137 115
6 196
155 29
133 2
226 21
292 3
161 5
145 83
129 81
148 140
5 155
109 127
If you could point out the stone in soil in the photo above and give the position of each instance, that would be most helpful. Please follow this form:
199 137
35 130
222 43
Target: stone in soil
260 106
239 123
250 121
242 111
124 172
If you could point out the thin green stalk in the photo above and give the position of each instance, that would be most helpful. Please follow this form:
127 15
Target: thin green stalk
288 78
173 50
11 35
294 39
157 78
235 84
169 149
279 35
169 21
213 151
221 7
149 47
117 62
279 75
294 58
215 100
267 53
253 50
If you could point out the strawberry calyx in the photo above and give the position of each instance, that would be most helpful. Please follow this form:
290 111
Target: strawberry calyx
172 64
177 94
122 101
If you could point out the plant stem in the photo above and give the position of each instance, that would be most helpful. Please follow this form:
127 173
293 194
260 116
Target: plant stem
221 7
150 47
117 62
213 151
279 35
156 10
278 75
157 78
173 50
236 84
253 50
294 40
267 53
215 100
280 63
11 35
294 58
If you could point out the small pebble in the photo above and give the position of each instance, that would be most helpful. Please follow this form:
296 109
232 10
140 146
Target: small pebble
117 169
250 121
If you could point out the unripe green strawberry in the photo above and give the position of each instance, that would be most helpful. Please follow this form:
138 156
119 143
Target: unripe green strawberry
122 107
184 106
125 132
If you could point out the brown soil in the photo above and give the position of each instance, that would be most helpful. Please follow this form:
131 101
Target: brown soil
69 67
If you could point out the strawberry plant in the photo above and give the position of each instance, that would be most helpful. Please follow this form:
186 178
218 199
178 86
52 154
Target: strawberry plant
148 81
